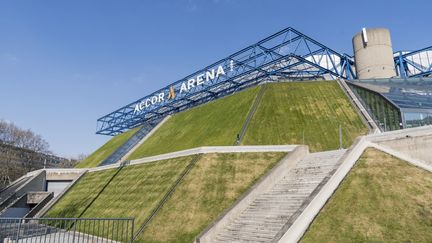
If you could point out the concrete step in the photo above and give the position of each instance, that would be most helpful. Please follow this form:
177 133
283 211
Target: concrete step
252 230
268 213
269 216
236 226
243 238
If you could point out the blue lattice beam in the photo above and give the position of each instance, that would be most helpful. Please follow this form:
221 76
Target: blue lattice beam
287 54
415 63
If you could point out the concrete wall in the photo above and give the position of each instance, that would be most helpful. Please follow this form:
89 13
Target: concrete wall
374 59
36 197
201 150
62 174
41 204
415 147
37 183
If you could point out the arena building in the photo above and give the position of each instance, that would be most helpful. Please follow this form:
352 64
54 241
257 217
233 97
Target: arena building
394 86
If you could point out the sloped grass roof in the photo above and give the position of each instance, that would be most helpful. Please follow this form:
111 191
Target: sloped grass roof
305 113
382 199
107 149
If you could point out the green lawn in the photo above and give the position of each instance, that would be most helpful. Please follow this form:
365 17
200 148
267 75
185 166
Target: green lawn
290 113
106 150
215 182
75 201
133 192
383 199
315 109
137 189
212 185
214 123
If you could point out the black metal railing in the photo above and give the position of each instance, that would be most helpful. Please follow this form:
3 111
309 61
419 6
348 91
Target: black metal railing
251 113
70 230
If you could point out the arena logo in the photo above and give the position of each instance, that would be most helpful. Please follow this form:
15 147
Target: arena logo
186 86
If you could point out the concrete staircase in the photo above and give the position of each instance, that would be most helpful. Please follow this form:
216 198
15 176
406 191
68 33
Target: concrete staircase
271 213
130 144
34 182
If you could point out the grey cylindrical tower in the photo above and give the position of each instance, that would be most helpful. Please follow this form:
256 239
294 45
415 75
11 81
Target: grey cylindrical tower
373 54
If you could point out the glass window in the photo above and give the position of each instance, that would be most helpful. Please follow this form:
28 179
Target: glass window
416 119
385 114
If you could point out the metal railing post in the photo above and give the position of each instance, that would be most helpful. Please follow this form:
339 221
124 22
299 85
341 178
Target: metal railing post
132 230
67 229
19 229
74 230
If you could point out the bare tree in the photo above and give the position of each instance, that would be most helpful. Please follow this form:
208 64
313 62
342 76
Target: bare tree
21 151
13 135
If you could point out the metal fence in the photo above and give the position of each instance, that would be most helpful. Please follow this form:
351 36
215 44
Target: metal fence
70 230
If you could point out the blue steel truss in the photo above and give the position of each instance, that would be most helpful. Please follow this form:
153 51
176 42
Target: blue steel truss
414 64
288 54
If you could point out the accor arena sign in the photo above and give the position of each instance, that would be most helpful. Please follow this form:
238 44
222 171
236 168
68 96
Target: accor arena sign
185 87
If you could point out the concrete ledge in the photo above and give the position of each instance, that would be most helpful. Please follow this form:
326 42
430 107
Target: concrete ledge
364 114
398 134
14 182
37 183
263 184
62 175
202 150
416 162
40 205
301 224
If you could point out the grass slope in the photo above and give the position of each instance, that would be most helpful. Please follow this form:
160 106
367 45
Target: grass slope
215 123
316 109
75 201
133 192
212 185
106 150
136 190
383 199
215 182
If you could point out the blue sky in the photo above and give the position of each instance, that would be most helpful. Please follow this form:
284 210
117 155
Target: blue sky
63 64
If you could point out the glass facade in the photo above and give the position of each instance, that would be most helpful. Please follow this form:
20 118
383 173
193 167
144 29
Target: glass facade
396 103
385 114
417 118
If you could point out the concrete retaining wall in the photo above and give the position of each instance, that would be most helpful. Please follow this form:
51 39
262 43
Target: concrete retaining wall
36 197
415 147
62 175
37 183
202 150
